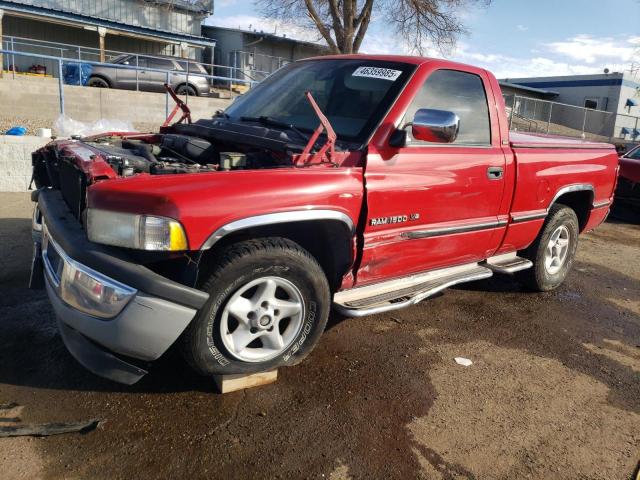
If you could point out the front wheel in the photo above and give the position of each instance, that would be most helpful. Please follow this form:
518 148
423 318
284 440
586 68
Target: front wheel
553 252
269 303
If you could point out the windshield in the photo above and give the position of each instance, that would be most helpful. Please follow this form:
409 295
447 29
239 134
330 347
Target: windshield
634 154
353 94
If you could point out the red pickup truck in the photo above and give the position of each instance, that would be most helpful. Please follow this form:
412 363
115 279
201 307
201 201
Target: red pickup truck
362 183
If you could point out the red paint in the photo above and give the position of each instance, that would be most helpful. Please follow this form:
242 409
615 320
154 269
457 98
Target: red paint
442 186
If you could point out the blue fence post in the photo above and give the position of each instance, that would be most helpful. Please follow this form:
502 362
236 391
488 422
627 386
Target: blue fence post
79 68
166 99
60 86
13 60
186 98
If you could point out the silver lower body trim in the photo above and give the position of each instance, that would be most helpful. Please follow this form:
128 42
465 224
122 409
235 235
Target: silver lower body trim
604 203
434 232
352 303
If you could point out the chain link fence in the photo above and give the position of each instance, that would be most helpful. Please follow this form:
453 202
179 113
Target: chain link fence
544 116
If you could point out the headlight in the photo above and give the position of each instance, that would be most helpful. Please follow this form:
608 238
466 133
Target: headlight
144 232
91 292
81 287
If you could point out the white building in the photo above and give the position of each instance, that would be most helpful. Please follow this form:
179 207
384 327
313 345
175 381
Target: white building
616 93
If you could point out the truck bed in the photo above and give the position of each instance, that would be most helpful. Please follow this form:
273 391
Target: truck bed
540 140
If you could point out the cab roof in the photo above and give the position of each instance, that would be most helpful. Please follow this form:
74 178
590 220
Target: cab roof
413 60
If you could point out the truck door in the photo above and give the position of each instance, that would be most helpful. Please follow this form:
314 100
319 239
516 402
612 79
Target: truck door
434 205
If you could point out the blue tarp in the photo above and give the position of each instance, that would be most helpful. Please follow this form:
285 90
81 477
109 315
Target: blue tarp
70 73
17 131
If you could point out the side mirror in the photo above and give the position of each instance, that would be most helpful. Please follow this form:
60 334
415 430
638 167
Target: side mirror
438 126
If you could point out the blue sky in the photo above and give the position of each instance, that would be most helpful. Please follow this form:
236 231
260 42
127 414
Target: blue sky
512 38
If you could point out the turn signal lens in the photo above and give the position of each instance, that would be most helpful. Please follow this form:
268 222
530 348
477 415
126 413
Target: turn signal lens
144 232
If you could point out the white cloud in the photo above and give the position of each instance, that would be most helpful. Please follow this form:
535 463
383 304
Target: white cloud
505 66
546 60
522 28
590 49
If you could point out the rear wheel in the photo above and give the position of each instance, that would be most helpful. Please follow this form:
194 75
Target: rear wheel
98 82
186 90
269 303
553 252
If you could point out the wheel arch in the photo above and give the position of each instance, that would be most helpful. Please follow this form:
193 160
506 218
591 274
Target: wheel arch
579 198
328 235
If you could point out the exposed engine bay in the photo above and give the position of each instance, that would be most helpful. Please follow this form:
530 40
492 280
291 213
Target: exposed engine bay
72 165
205 146
175 154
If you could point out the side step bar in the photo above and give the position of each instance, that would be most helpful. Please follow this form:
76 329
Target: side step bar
401 293
508 263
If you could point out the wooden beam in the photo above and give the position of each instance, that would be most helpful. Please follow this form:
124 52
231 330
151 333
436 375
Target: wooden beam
102 32
233 383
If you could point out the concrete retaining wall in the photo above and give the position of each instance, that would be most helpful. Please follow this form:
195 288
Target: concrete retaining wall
37 98
15 161
36 102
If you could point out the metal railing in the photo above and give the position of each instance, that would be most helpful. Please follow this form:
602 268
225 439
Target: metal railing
544 116
260 65
44 49
61 62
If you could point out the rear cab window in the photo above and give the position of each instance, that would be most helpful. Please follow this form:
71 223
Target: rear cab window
462 93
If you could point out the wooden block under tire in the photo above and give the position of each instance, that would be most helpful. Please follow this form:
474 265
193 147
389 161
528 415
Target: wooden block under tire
233 383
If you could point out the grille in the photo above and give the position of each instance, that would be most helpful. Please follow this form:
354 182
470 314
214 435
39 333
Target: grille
73 185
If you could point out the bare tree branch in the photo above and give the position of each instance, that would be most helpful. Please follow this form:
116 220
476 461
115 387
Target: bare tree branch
322 28
363 23
343 23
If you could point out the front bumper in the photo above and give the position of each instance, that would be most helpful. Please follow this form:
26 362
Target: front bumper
142 329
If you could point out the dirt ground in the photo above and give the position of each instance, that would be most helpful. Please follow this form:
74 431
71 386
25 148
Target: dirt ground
553 392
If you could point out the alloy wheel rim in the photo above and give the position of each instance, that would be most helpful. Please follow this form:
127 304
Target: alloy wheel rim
557 250
262 319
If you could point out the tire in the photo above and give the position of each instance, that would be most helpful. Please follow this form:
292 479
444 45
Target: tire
551 265
98 82
236 311
187 89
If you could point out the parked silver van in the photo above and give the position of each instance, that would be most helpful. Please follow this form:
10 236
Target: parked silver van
148 77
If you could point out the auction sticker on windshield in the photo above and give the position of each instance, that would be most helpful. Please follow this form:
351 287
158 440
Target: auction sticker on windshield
377 72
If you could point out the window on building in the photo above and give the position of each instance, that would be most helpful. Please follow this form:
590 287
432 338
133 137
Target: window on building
591 103
461 93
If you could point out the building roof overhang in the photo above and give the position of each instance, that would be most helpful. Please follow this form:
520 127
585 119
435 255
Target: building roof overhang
117 28
539 91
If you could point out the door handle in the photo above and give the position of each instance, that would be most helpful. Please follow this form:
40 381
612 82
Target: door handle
495 173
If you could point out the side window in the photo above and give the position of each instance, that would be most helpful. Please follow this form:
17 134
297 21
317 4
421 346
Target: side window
461 93
160 64
591 103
